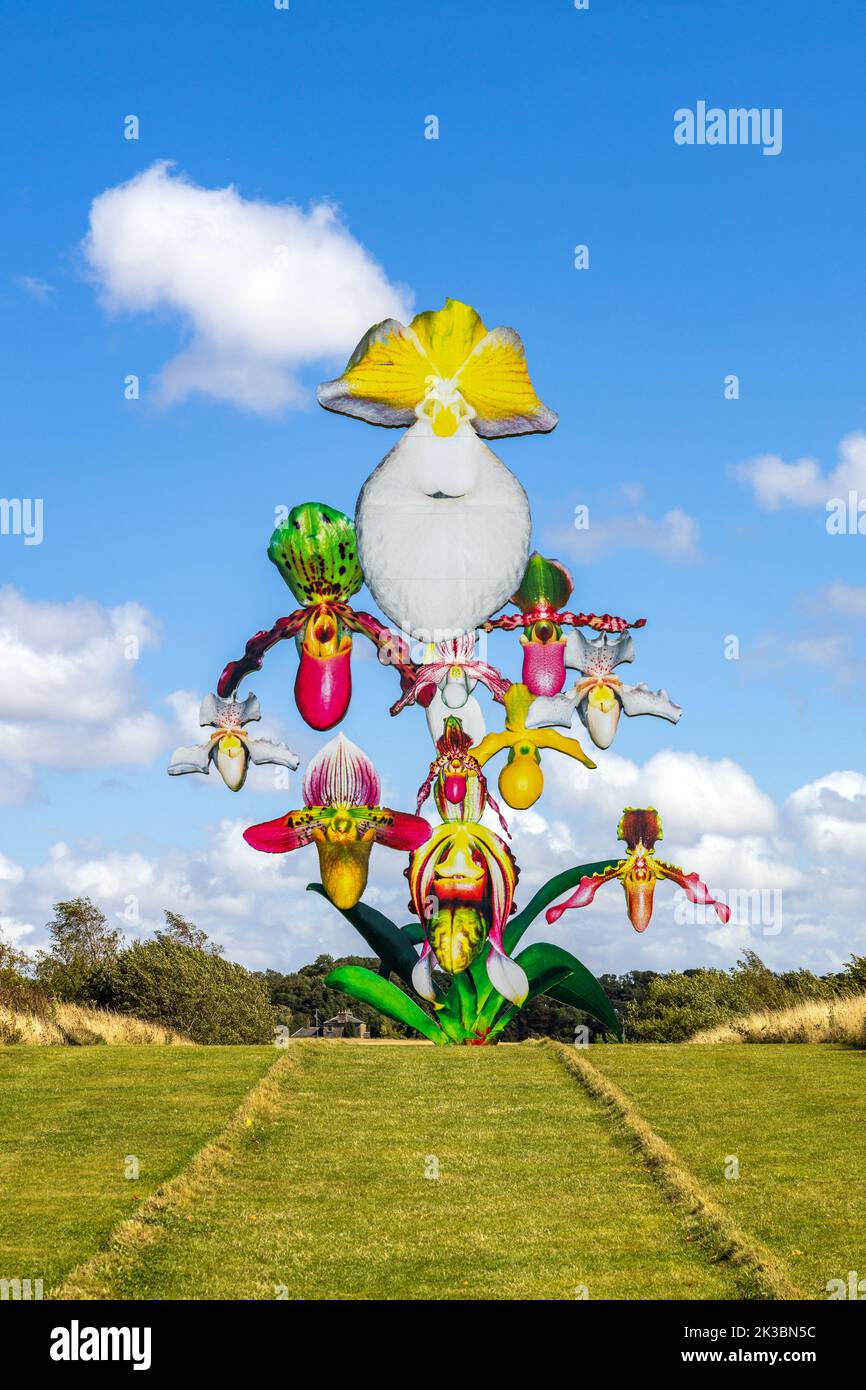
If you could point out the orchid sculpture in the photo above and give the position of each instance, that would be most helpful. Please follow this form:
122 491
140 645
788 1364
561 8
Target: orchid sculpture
441 538
342 817
639 872
544 591
443 526
315 551
229 747
521 780
601 695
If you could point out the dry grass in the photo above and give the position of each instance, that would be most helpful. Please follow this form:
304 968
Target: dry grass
72 1024
815 1021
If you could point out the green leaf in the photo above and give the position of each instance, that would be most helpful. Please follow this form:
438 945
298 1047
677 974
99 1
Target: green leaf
384 995
414 932
385 940
316 552
579 987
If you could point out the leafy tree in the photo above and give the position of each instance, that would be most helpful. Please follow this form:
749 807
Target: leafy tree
209 999
186 933
84 952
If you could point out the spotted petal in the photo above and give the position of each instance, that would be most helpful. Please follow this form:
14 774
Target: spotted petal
597 656
228 714
283 834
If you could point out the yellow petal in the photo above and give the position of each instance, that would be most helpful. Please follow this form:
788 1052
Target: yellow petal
492 744
549 738
495 382
448 335
385 379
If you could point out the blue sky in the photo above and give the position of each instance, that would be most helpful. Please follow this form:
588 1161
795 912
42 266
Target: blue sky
556 129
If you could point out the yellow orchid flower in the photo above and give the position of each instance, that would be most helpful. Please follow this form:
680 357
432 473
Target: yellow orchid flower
446 367
521 780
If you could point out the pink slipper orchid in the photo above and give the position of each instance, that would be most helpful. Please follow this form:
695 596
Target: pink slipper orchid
343 819
638 873
230 747
600 696
454 671
315 551
544 591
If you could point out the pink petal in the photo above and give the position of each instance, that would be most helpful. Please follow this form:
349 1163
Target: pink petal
582 895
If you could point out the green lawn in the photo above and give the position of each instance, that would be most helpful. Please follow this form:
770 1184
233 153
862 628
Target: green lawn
794 1115
417 1172
535 1196
69 1116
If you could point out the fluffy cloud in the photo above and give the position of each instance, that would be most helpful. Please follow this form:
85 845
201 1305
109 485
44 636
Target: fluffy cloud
263 289
71 697
778 484
840 600
674 536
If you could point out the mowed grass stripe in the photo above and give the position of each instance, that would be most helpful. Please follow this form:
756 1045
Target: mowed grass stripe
792 1115
321 1193
70 1116
759 1273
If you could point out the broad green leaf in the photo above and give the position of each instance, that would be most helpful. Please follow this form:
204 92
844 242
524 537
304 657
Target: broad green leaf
384 995
579 987
385 940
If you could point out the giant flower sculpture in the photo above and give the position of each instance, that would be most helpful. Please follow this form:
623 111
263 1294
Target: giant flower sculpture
521 780
443 526
441 538
544 591
342 817
316 553
638 872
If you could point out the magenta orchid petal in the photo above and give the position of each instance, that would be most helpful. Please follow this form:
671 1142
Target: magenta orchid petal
583 894
695 890
341 775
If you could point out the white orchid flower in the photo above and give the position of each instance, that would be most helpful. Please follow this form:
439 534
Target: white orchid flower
600 696
229 746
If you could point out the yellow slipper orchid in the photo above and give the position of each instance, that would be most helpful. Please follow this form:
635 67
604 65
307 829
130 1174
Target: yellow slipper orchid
521 780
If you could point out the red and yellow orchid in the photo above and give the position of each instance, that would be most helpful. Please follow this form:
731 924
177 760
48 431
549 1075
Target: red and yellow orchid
462 879
639 872
342 817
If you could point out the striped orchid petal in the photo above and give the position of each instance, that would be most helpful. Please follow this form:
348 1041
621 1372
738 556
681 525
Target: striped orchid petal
341 775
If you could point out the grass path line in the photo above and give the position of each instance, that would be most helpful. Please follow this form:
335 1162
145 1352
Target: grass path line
762 1271
92 1279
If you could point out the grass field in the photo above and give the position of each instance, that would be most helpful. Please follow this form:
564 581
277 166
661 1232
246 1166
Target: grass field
416 1172
69 1116
793 1115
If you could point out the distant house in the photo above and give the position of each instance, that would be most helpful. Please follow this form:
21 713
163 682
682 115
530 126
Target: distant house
336 1027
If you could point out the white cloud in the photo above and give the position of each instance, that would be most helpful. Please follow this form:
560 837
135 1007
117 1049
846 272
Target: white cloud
70 696
674 536
842 600
36 288
778 484
263 289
